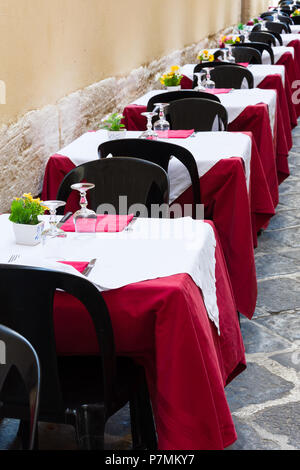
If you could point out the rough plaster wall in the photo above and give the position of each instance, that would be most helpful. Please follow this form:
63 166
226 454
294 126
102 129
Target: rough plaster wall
251 8
26 145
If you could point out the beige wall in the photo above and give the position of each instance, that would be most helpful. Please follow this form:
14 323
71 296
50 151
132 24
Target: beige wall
253 7
50 48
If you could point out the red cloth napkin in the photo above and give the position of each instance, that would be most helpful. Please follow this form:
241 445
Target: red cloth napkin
79 265
105 223
218 91
243 64
178 134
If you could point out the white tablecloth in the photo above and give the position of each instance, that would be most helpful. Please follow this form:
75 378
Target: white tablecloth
279 51
295 28
154 248
207 148
259 72
235 102
287 38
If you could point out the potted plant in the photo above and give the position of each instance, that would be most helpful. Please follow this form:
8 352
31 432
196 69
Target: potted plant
205 56
295 13
172 79
24 214
229 41
113 125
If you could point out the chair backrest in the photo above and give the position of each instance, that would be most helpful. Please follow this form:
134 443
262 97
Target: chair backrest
261 47
256 27
278 27
267 15
20 357
198 114
27 295
246 54
170 96
285 19
216 63
232 77
296 20
156 152
263 36
142 182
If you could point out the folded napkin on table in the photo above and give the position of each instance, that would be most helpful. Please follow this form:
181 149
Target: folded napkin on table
79 265
179 134
218 91
105 223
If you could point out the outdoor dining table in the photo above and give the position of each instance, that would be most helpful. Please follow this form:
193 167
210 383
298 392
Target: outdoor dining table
233 188
187 337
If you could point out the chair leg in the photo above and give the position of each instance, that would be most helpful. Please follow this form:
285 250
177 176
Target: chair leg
142 421
24 435
90 425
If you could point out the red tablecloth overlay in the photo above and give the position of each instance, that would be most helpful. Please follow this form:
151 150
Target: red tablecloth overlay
163 324
236 214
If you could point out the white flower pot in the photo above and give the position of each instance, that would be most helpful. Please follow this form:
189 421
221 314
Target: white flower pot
114 135
174 88
28 234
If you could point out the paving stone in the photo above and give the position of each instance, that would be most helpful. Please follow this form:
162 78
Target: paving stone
289 187
256 385
282 420
286 325
249 439
281 220
294 254
290 200
286 237
8 432
259 340
290 360
270 265
278 295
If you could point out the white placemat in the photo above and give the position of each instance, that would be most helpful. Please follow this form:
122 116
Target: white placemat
207 148
154 248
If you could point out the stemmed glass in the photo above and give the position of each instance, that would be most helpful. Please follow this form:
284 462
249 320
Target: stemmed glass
200 76
149 133
53 230
162 124
209 83
227 55
84 219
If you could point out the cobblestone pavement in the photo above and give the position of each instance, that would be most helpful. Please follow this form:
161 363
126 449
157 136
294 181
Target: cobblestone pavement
265 399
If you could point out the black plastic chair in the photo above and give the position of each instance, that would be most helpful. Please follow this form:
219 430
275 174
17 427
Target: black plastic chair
142 182
232 77
216 63
246 54
198 114
278 27
81 391
21 364
256 27
296 20
170 96
285 19
267 16
261 47
263 36
158 153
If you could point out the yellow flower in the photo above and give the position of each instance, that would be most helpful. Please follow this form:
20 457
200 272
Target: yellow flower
28 196
174 68
211 58
224 38
205 52
238 40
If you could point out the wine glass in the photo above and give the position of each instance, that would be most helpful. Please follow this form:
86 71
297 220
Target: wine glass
200 76
209 83
149 133
53 230
84 219
162 124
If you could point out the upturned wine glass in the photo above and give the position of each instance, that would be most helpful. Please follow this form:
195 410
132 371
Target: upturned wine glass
149 134
84 219
209 83
53 230
162 125
200 76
